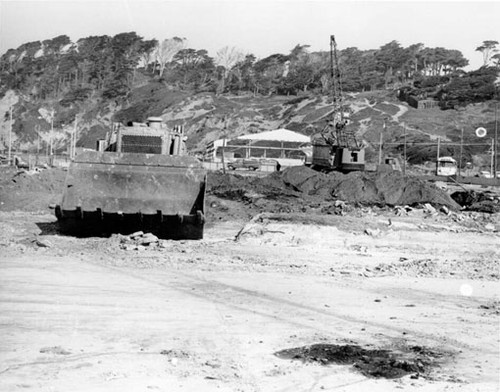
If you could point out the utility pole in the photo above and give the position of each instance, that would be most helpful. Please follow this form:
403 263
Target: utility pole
224 146
51 131
10 138
461 149
495 170
380 145
437 157
37 130
404 151
72 145
492 156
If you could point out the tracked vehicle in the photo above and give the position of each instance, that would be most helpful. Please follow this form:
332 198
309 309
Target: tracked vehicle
140 178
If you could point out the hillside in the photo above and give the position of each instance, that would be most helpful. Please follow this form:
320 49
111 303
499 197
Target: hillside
58 85
208 117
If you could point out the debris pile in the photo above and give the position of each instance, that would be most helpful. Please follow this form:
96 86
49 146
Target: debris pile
140 241
477 201
375 363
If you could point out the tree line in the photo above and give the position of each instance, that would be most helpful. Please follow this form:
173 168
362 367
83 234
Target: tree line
108 67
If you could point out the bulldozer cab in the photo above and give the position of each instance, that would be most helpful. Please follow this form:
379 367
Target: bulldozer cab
140 178
152 137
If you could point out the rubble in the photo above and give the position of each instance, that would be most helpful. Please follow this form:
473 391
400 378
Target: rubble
58 350
477 201
372 232
140 241
42 243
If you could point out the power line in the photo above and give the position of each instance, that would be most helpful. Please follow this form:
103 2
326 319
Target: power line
431 144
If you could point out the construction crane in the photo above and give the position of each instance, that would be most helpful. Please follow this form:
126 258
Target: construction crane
337 147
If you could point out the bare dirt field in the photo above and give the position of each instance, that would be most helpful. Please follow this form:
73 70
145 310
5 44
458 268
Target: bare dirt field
284 293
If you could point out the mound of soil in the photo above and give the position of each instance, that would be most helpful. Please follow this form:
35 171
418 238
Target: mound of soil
24 191
389 188
237 187
294 189
382 189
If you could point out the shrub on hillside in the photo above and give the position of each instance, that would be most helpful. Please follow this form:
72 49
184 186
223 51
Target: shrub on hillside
74 96
473 87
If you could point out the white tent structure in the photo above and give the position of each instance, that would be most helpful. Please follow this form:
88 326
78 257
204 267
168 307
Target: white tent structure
281 145
282 135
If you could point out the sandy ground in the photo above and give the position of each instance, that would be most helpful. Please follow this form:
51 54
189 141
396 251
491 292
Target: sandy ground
90 315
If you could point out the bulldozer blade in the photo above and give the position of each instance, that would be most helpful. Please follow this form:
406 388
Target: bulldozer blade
122 193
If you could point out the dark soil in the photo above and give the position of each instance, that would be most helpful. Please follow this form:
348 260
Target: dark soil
294 190
360 188
477 201
375 363
20 191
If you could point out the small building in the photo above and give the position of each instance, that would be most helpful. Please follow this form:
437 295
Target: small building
282 145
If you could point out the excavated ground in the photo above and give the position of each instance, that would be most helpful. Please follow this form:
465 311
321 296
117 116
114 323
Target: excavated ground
304 281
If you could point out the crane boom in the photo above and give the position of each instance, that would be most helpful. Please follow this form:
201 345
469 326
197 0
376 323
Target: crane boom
337 147
336 77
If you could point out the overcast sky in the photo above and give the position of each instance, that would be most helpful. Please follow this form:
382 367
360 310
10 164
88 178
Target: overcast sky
260 27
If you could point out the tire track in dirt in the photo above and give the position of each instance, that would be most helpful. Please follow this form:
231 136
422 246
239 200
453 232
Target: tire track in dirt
227 295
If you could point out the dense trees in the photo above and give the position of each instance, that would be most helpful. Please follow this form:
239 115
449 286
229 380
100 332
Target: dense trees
103 66
56 68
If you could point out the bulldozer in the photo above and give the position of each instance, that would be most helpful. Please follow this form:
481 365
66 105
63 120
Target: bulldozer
139 178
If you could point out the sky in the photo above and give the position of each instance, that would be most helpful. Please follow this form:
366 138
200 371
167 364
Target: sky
260 27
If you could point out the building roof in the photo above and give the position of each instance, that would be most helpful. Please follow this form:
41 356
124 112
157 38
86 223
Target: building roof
279 134
446 159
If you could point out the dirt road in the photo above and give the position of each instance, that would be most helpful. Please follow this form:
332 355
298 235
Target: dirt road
89 315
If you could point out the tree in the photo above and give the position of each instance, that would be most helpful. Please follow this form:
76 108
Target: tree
305 71
475 86
488 48
496 60
125 53
410 67
269 72
227 58
390 57
147 48
454 60
244 74
55 45
166 50
95 56
195 69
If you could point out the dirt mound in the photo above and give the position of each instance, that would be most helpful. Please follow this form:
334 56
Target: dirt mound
25 191
367 188
382 189
477 201
237 187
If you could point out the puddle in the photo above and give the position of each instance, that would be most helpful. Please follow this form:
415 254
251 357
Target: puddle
376 363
